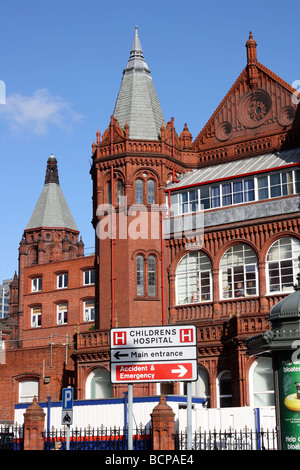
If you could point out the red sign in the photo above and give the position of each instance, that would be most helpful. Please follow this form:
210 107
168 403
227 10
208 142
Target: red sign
153 372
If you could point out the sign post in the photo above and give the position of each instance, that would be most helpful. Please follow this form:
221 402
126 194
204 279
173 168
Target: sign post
67 411
154 354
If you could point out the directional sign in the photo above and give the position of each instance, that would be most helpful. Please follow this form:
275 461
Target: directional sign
154 354
154 372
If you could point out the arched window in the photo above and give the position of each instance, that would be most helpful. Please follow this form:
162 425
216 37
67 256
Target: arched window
150 192
193 278
224 389
261 382
238 269
140 275
200 388
139 191
98 384
282 265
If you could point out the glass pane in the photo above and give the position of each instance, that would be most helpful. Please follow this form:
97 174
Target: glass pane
150 192
139 192
151 276
140 275
204 197
226 194
215 196
262 183
237 192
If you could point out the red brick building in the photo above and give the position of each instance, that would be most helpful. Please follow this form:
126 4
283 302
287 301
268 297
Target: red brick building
51 298
240 174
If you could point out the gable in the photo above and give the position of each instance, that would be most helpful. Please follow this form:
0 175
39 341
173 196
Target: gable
260 107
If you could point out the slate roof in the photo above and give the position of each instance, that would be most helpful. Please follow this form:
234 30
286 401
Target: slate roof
52 210
137 102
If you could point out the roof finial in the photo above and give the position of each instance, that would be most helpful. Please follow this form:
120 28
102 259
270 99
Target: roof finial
51 171
251 49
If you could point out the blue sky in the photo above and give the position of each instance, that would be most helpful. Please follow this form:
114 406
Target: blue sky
62 64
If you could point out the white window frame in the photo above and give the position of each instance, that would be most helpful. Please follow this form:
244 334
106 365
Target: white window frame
64 281
36 284
294 265
87 277
252 394
89 310
61 318
198 275
243 289
36 317
32 387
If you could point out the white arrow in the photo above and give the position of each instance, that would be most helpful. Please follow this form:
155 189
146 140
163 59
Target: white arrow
181 371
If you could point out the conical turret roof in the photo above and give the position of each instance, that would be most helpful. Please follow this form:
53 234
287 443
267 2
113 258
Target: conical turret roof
137 103
52 210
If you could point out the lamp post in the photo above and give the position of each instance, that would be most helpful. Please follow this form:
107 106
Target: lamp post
282 344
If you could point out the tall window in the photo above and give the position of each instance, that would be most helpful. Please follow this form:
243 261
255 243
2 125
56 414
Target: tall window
150 192
224 389
36 317
262 383
89 310
200 388
36 284
89 277
282 264
120 192
62 314
151 276
146 276
62 281
140 275
98 384
193 278
238 270
139 191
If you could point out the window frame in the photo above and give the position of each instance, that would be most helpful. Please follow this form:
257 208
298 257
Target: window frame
90 309
189 271
39 280
239 274
293 260
36 323
89 273
62 308
65 280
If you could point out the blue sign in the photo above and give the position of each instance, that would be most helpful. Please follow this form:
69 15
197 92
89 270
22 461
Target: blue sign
67 398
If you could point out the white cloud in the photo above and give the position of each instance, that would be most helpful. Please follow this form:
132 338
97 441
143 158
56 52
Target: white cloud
37 112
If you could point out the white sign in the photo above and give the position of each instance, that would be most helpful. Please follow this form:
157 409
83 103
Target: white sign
146 337
153 354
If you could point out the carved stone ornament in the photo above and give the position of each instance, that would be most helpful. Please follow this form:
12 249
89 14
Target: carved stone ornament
254 108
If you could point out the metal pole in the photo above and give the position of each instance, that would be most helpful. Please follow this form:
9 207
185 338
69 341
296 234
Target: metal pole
68 438
130 417
48 421
189 415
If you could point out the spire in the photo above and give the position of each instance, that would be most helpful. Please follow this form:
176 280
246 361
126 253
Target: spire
137 102
51 171
51 209
136 62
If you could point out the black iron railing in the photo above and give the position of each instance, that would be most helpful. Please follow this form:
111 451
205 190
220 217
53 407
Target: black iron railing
246 439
